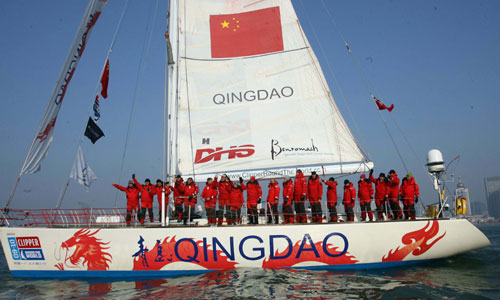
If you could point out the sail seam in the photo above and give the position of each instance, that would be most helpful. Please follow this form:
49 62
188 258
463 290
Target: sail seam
244 57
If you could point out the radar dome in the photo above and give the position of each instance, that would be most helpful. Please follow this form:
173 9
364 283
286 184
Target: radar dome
435 162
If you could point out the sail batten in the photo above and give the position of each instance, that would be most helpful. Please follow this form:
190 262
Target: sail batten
264 108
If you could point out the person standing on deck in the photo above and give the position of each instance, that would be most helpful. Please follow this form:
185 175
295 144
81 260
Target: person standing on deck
158 190
147 192
299 195
287 200
190 199
314 194
254 197
393 193
132 193
236 201
365 196
178 190
224 187
273 197
409 193
349 200
210 195
380 194
331 198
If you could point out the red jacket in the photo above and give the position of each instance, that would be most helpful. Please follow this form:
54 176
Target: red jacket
409 188
190 190
254 192
132 195
236 198
210 195
300 186
178 189
147 193
331 192
393 186
287 193
273 196
224 190
365 190
314 189
381 188
158 194
349 195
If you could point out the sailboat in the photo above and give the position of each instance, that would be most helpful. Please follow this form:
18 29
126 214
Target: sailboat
247 63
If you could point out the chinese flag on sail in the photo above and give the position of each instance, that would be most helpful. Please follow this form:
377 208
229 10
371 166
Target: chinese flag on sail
249 33
105 81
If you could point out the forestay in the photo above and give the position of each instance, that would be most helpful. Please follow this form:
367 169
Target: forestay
251 97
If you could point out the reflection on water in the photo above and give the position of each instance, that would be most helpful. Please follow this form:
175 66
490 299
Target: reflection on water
472 275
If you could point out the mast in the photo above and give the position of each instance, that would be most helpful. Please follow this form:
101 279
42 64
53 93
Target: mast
172 92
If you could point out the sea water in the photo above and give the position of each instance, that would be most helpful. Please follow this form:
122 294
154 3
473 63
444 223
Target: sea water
473 275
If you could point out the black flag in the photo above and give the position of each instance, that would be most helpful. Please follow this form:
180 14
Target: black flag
93 132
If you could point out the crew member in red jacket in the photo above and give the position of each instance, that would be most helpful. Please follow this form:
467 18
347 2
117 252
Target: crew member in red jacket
224 187
158 190
235 201
393 193
314 194
287 200
178 189
132 193
254 197
147 192
381 196
299 195
210 195
273 197
190 199
365 196
349 200
331 198
409 193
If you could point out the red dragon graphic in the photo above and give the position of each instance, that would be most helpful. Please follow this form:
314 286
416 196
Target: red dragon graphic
42 136
292 259
163 253
416 242
88 251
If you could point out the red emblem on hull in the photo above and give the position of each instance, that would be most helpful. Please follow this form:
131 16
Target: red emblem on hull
186 250
314 252
88 252
416 242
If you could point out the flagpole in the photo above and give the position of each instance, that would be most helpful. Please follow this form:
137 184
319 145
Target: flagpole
11 196
63 193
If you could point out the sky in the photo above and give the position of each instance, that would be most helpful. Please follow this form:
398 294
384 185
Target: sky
436 61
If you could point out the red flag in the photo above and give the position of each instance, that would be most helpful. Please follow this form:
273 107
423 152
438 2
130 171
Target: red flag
249 33
381 105
105 81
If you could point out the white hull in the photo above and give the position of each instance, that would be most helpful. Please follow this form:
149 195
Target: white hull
171 251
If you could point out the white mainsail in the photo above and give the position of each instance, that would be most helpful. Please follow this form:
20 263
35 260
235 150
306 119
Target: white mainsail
260 113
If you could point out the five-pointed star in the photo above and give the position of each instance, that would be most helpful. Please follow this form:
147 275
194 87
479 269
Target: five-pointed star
225 24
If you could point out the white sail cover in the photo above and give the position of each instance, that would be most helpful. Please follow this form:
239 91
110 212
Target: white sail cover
252 99
43 138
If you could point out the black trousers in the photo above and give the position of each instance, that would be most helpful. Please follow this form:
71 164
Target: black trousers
143 214
272 210
254 215
300 210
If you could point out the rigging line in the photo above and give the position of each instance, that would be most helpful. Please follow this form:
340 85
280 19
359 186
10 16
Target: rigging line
89 111
364 77
138 89
407 141
330 70
392 140
187 98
